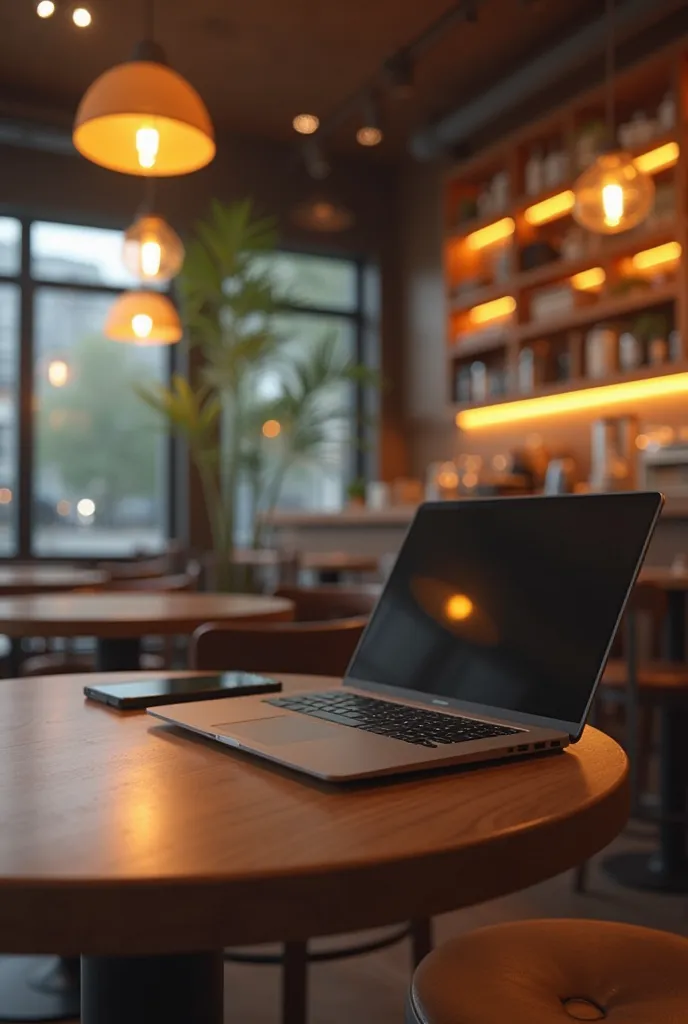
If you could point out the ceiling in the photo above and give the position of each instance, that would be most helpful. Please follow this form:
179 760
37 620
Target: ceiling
257 64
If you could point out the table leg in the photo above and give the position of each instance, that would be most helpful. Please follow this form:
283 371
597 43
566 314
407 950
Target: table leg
118 654
35 988
665 870
185 988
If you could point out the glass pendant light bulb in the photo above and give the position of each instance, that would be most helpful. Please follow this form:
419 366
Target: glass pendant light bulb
45 9
153 251
613 195
141 325
147 146
143 318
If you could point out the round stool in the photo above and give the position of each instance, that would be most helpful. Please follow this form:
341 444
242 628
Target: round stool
554 972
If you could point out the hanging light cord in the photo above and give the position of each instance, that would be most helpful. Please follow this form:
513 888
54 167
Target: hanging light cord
609 71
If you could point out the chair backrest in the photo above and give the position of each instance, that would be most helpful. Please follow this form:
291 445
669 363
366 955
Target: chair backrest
306 648
646 616
321 604
161 584
137 569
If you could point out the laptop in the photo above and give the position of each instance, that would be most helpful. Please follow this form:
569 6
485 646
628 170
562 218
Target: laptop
487 643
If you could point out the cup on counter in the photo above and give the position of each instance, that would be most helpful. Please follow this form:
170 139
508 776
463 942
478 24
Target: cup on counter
377 495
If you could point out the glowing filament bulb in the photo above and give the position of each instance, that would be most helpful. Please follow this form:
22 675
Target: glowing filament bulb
147 146
613 204
142 325
151 255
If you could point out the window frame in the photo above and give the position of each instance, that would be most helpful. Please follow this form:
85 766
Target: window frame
23 505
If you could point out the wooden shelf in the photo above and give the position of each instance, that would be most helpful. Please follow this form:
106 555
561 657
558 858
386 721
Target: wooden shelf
462 303
580 384
481 341
606 309
460 231
622 245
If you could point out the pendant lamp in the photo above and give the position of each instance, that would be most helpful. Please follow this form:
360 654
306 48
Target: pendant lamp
141 117
612 195
143 318
153 251
322 214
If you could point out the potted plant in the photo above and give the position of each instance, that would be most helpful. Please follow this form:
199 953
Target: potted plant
356 493
236 438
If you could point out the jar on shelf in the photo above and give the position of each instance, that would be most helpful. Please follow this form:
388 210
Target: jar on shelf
666 113
600 351
630 352
534 173
478 372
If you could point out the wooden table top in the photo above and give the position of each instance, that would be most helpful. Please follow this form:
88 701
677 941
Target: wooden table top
316 561
665 577
120 834
27 579
128 614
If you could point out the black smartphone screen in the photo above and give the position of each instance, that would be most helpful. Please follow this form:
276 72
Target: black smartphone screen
173 690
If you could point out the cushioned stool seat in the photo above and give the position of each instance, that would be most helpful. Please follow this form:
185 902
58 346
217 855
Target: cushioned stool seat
554 972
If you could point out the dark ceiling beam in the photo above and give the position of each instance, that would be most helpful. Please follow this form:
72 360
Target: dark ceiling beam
534 77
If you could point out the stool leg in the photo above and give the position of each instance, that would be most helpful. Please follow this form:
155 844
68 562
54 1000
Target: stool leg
580 878
295 983
421 939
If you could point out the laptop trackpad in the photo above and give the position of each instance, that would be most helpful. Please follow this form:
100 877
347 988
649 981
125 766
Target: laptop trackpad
278 730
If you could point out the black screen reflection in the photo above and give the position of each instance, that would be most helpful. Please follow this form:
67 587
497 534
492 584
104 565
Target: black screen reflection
508 603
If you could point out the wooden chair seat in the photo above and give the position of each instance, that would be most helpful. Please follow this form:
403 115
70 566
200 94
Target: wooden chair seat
313 604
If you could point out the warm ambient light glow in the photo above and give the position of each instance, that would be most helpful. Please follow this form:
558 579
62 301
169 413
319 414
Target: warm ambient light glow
306 124
81 17
368 135
613 195
494 310
648 259
271 428
86 508
497 232
58 373
549 209
141 117
5 495
588 280
153 251
45 9
658 159
322 214
144 318
458 607
573 401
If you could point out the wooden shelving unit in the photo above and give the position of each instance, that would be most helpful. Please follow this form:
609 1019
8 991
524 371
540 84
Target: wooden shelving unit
532 269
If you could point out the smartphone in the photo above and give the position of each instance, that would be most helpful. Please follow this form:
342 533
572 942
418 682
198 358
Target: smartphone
150 693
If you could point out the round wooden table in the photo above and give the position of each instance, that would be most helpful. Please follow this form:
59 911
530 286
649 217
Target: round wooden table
43 579
146 850
120 620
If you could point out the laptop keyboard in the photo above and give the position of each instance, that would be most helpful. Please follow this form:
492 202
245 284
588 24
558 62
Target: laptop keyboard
386 718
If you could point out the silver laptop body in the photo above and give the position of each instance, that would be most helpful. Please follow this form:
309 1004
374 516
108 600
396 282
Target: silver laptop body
499 611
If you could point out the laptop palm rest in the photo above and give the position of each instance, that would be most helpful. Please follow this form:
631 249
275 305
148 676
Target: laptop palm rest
279 730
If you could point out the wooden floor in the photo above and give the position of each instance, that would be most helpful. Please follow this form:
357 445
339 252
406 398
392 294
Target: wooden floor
371 989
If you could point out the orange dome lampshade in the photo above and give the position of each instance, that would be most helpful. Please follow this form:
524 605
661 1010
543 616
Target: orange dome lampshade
141 117
613 195
153 251
143 318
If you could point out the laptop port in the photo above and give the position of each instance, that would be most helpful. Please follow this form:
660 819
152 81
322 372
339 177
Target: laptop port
523 746
555 743
539 746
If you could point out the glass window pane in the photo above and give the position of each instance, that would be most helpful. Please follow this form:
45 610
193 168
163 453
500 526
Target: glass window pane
80 255
9 348
321 468
101 456
313 280
10 245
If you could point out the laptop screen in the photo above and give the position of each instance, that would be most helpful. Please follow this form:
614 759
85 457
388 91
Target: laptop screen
508 603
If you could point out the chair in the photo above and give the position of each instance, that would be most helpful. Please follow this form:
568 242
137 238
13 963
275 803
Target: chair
71 661
638 685
549 972
312 604
305 648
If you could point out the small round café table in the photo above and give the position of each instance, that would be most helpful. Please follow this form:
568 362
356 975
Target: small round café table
44 579
119 621
146 850
666 868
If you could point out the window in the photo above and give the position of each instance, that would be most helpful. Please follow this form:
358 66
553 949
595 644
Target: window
323 300
97 482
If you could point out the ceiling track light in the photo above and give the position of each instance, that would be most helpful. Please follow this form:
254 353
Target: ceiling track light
45 9
306 124
316 163
398 73
81 16
369 133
